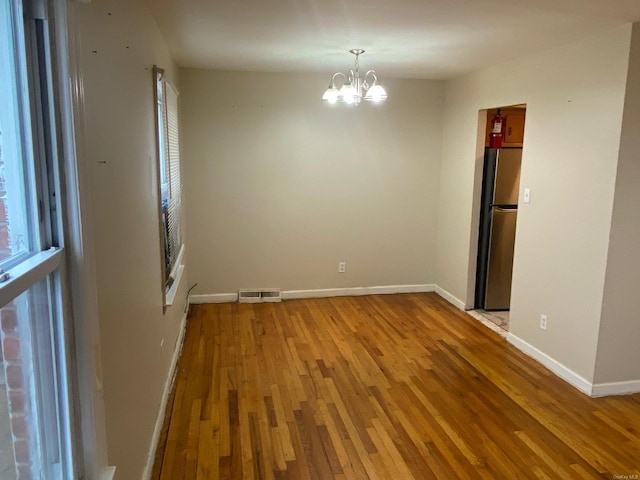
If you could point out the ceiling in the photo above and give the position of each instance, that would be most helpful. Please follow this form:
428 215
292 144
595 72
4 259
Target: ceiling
434 39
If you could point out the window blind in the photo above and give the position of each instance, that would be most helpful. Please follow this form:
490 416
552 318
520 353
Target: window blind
174 185
169 181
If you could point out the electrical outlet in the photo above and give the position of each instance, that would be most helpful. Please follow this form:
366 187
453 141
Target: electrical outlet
342 267
543 322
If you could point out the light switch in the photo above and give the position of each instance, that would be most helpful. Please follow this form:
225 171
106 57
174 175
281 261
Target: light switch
526 197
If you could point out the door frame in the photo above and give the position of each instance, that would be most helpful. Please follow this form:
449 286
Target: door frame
474 231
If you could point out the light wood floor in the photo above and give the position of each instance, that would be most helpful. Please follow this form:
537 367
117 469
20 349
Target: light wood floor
379 387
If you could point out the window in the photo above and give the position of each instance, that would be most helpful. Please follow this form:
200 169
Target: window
169 186
36 430
15 218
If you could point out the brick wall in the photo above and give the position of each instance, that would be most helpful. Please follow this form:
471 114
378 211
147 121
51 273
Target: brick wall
17 391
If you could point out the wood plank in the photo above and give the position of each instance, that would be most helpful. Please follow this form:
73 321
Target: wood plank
383 386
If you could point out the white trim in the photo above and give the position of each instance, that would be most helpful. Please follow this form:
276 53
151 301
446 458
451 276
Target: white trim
356 291
108 473
178 263
80 245
319 293
171 375
556 367
615 388
456 302
213 298
28 272
171 293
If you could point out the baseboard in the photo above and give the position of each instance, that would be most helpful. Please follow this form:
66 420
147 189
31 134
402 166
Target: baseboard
213 298
556 367
356 291
319 293
157 431
456 302
107 473
615 388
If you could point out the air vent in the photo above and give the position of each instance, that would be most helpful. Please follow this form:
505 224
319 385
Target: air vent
259 295
271 295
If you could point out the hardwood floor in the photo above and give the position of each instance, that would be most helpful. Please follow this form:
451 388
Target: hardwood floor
379 387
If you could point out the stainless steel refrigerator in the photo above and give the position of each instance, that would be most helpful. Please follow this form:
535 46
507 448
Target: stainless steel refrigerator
498 216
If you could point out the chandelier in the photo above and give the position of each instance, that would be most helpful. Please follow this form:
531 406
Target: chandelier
352 87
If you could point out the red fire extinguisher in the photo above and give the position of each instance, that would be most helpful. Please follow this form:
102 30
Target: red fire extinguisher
495 139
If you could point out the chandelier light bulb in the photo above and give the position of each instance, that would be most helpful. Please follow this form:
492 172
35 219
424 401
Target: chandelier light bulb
376 94
348 93
331 95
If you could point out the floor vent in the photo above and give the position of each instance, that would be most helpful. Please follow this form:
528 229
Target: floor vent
259 296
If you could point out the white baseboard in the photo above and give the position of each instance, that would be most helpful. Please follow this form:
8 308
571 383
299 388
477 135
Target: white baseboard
213 298
456 302
615 388
319 293
556 367
157 431
107 473
356 291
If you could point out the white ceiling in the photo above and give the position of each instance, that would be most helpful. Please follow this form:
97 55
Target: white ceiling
434 39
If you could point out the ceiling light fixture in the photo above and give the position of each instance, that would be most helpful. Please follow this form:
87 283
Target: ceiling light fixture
351 90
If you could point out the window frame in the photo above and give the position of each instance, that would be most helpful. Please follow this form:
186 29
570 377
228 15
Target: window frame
90 416
42 88
171 271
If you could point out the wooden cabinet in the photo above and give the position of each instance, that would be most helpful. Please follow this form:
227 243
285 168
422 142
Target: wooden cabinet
512 126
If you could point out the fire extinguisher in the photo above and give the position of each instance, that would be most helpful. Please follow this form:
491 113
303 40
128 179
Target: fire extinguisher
495 140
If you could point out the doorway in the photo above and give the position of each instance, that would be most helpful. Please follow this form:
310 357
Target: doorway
498 213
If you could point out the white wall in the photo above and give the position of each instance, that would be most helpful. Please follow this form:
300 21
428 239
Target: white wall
618 353
281 187
119 44
574 96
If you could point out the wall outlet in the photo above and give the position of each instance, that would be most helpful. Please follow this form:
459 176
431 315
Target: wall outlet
543 322
342 267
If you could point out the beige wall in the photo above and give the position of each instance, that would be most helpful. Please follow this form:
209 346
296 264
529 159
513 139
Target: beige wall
574 96
281 187
119 46
618 353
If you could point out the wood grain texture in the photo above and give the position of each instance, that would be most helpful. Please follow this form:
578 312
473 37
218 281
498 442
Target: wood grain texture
378 387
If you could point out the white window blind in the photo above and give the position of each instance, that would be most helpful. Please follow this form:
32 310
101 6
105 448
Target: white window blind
169 177
173 141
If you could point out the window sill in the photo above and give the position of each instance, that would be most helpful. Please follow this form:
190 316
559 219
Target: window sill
176 274
28 272
170 296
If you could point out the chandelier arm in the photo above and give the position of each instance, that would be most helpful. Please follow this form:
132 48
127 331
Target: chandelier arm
333 79
375 79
